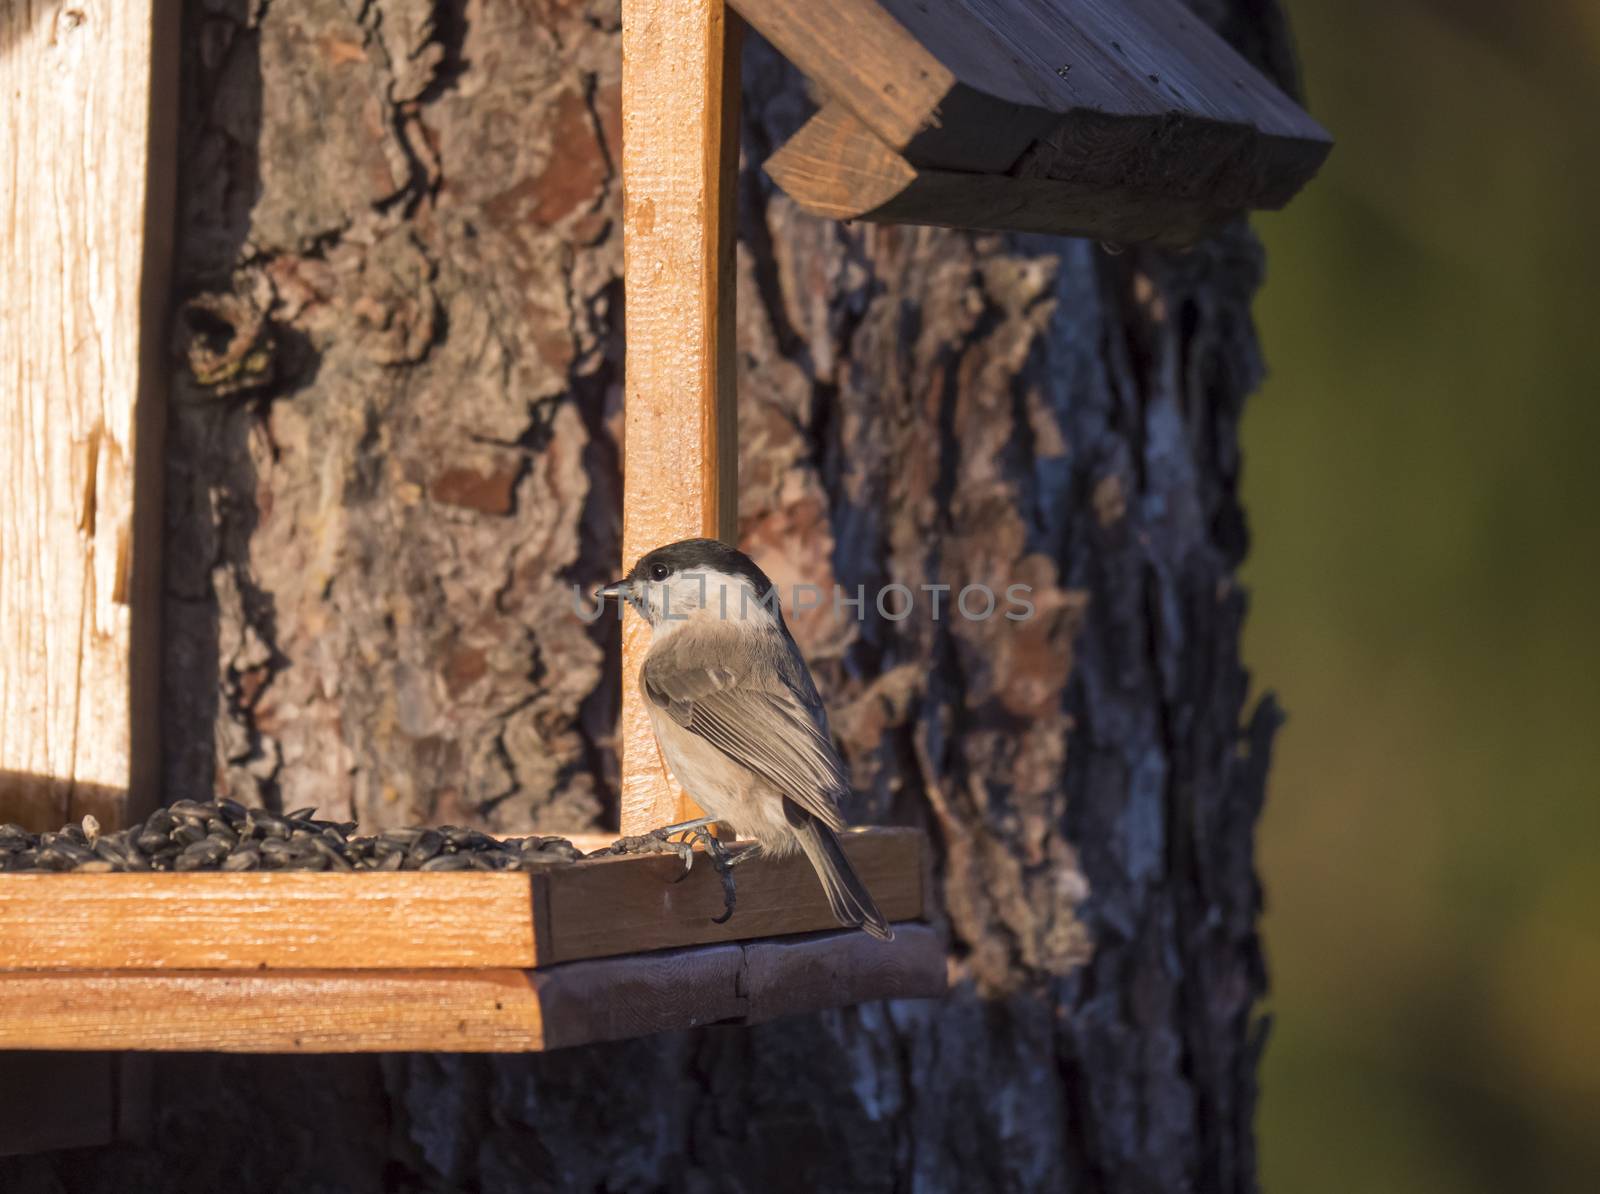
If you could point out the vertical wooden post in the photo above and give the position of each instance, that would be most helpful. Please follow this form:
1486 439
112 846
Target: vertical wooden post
680 161
86 173
87 166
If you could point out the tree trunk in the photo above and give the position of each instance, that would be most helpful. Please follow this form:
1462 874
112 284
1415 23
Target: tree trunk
394 448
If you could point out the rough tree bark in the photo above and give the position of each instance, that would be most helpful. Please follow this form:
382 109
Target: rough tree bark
393 448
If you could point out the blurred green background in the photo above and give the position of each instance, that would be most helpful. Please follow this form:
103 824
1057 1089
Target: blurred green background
1423 478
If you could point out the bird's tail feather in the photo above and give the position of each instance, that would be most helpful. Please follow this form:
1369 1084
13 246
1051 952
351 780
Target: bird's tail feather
847 895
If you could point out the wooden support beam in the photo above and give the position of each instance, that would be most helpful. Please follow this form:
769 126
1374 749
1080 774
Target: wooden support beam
86 176
680 160
838 168
605 907
490 1010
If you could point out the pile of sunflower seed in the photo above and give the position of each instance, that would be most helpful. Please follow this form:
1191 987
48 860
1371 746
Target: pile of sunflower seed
223 835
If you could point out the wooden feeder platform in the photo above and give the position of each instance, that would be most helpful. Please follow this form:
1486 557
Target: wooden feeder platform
463 961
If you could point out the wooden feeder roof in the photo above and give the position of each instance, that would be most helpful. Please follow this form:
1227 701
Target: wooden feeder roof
1126 120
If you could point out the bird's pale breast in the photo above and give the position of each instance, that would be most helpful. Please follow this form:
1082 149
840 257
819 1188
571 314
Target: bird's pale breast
723 788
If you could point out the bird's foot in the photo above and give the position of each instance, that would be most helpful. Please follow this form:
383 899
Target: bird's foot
657 841
681 840
723 864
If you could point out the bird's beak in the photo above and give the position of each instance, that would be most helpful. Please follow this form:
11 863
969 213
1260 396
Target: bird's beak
617 588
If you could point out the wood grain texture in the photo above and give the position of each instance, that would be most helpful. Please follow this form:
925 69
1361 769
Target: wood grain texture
600 908
628 905
680 157
312 1011
461 1011
85 182
868 61
1152 127
836 167
260 921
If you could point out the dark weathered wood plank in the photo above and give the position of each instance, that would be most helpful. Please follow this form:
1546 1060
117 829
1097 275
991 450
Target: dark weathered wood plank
609 907
789 977
613 999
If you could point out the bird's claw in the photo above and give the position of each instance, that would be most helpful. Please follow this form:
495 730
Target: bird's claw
681 841
718 854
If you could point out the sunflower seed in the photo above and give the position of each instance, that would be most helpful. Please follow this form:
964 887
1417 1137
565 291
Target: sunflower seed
426 846
193 835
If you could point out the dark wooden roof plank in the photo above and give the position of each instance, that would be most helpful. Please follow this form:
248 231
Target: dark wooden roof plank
1014 51
1219 68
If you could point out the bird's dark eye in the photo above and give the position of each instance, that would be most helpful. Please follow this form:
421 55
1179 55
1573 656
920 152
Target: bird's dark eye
658 572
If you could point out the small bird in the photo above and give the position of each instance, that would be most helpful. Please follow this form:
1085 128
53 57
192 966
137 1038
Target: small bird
737 715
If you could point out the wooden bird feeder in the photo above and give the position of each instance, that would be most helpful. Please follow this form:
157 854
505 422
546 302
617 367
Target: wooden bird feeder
1124 121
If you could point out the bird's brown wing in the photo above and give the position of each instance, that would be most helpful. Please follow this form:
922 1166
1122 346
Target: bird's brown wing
745 706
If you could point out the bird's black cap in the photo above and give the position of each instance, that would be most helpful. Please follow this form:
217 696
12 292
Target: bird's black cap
702 555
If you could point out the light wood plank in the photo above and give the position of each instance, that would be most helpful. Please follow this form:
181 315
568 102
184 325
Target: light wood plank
308 1011
257 921
628 905
870 63
85 187
462 1010
838 168
306 921
680 159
